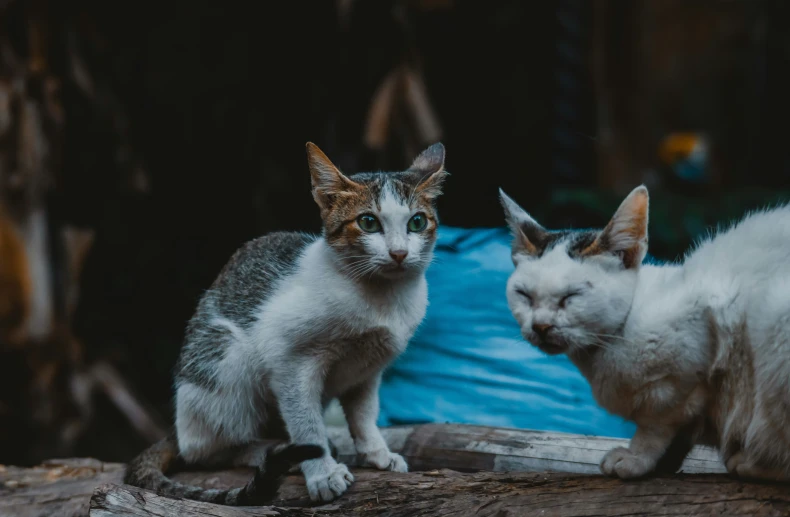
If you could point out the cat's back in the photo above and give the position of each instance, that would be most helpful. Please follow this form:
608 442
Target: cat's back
228 307
253 273
754 249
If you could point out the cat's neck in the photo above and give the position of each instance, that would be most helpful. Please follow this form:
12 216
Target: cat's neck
656 285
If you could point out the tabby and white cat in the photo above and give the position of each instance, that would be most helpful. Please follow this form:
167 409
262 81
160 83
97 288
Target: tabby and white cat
294 321
693 352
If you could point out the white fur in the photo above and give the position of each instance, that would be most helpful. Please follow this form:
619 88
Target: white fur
599 309
320 335
643 339
394 217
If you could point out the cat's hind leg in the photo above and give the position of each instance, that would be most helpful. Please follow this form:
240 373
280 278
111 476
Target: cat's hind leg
740 465
210 429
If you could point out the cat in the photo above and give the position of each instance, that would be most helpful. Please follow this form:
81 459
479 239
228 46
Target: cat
294 321
694 352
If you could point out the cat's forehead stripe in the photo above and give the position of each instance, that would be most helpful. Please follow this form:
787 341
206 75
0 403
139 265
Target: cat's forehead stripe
579 241
382 183
391 201
573 241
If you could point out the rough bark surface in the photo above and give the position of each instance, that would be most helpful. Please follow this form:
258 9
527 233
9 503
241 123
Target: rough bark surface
510 484
447 492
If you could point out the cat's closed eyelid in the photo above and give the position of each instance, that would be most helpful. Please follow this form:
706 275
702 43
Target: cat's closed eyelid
575 291
564 300
524 294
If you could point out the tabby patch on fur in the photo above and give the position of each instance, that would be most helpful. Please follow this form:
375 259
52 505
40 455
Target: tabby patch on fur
294 321
695 352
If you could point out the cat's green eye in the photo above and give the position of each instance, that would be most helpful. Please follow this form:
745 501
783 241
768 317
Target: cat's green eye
369 223
417 223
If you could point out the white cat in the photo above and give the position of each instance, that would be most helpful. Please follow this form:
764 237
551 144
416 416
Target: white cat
292 322
693 352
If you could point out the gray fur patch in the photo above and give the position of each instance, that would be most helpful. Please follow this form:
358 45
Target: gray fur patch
204 347
402 184
579 240
248 278
245 282
574 241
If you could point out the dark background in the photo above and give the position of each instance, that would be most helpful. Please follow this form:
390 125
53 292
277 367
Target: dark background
166 134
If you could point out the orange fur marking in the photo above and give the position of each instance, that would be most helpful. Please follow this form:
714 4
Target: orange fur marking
528 246
636 211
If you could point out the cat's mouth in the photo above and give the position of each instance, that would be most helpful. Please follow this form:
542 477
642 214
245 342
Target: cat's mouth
551 347
395 273
395 270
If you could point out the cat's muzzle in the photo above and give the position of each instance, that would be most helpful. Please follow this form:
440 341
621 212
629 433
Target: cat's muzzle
549 342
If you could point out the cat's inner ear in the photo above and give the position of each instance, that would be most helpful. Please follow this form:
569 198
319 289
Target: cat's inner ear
626 233
428 171
528 236
327 180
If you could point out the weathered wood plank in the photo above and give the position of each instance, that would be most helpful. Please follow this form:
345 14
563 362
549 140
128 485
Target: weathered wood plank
63 488
448 492
471 448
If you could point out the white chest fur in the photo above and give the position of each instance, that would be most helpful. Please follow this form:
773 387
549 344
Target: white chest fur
655 367
353 328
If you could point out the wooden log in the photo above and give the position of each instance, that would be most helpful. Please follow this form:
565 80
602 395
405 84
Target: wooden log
470 448
63 488
446 492
58 488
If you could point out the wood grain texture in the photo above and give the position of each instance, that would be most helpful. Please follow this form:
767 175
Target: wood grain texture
63 488
447 492
470 448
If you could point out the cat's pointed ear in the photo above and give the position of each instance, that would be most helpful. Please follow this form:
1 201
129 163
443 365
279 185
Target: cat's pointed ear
528 235
327 180
428 171
626 233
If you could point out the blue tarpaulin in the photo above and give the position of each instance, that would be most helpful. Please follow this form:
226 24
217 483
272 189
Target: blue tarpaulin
468 362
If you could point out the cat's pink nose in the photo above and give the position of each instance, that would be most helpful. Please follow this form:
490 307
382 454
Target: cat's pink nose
398 255
541 328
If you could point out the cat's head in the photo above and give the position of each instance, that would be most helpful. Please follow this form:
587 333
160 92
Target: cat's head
380 224
573 289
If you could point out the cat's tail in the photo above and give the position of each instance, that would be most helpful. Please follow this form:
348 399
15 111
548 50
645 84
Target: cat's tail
148 471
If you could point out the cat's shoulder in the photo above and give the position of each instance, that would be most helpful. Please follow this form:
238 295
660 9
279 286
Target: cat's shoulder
261 260
277 244
272 248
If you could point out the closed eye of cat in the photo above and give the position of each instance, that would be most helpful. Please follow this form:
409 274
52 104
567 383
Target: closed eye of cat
525 295
575 292
564 299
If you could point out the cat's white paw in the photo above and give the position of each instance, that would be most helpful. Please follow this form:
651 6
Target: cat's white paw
328 486
624 464
383 459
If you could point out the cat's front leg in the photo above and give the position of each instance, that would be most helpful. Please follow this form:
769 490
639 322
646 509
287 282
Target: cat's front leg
642 455
298 390
361 405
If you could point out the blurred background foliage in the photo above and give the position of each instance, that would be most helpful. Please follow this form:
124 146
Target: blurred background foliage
142 142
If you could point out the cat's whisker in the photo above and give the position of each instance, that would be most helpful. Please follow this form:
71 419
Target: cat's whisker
361 271
611 336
